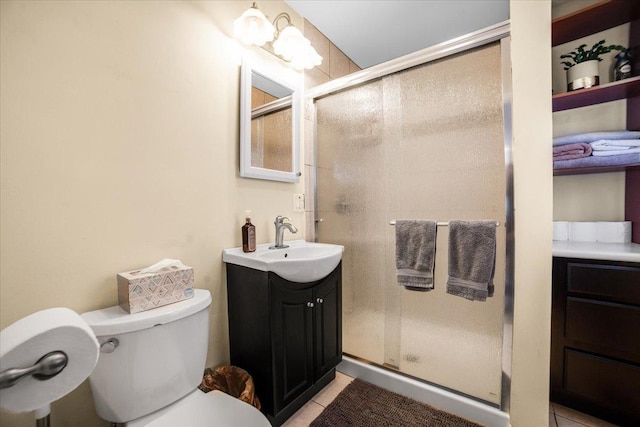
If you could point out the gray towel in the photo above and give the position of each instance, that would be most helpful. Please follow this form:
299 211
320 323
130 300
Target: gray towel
472 253
415 253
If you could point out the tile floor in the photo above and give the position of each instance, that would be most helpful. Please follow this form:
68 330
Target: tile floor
316 405
559 416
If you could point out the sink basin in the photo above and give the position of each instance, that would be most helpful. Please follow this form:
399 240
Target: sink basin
301 262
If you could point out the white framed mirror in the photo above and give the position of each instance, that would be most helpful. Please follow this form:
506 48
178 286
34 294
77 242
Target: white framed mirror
269 125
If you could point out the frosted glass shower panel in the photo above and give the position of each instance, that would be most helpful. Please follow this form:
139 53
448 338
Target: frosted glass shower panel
425 143
349 193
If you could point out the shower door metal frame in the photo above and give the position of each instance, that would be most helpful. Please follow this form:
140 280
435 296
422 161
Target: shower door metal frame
498 32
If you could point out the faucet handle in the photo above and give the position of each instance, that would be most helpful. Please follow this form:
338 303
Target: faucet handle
280 219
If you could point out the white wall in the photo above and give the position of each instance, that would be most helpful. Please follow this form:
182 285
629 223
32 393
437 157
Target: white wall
119 147
532 133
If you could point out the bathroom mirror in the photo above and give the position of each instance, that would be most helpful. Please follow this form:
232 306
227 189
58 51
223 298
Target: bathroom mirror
269 125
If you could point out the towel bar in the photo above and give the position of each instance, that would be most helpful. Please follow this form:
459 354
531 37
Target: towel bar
439 224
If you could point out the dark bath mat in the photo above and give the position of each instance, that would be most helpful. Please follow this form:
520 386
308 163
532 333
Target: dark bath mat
362 404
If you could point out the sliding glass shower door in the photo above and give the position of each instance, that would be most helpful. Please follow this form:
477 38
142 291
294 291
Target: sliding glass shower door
424 143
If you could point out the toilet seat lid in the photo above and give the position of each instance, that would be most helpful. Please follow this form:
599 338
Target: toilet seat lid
213 408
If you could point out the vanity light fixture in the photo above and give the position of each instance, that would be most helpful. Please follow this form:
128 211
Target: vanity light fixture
252 27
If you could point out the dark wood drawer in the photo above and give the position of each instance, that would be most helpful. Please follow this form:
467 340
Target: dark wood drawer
603 280
605 381
613 328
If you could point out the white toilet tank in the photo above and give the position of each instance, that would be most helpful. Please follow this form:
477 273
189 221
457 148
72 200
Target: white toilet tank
160 356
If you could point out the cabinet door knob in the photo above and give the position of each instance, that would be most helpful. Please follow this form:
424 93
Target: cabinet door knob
309 304
319 300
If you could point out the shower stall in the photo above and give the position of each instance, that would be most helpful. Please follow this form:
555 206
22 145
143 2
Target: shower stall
423 137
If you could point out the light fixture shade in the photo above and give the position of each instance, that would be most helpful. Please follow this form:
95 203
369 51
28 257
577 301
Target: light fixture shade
252 27
289 43
306 58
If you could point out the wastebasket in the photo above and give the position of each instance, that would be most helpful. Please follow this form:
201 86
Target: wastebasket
231 380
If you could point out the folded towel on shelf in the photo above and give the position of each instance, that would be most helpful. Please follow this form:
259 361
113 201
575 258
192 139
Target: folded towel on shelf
615 144
572 151
595 161
472 256
595 136
602 153
415 253
609 147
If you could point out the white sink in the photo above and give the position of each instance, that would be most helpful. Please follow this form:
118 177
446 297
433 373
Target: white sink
301 262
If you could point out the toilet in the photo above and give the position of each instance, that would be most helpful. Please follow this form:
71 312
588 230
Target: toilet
151 364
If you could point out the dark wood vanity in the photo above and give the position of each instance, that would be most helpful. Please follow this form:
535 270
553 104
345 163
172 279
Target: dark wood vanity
287 335
595 338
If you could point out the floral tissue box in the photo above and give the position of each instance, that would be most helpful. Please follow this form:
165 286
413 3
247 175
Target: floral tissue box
163 283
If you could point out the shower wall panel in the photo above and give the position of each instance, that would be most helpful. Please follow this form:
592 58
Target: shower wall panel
425 143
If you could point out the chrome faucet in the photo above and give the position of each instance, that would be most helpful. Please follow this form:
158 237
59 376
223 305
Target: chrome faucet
280 226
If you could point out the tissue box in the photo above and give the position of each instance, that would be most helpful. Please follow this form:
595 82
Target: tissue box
143 291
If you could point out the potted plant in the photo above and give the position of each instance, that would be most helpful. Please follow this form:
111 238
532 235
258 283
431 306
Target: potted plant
582 65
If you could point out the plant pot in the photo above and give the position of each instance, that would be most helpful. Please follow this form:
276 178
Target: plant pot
583 75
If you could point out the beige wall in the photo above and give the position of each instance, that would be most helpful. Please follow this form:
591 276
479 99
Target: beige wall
119 147
595 197
531 65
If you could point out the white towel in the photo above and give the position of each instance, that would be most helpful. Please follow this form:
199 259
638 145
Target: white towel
611 144
595 136
615 147
614 152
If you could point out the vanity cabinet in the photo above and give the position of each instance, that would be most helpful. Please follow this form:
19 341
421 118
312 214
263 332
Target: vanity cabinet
595 338
287 335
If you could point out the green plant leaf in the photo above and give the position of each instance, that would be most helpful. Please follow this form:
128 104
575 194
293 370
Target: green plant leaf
581 55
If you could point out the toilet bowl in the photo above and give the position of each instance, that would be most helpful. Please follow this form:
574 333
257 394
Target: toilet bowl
151 364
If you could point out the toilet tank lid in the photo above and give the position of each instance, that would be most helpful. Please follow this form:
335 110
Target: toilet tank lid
115 320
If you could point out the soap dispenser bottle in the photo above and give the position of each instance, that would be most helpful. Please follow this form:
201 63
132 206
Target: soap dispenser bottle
248 235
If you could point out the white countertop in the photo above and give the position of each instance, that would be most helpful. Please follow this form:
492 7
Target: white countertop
629 252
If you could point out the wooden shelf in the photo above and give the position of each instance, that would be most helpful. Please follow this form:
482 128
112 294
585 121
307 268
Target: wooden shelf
627 88
592 169
590 20
599 17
